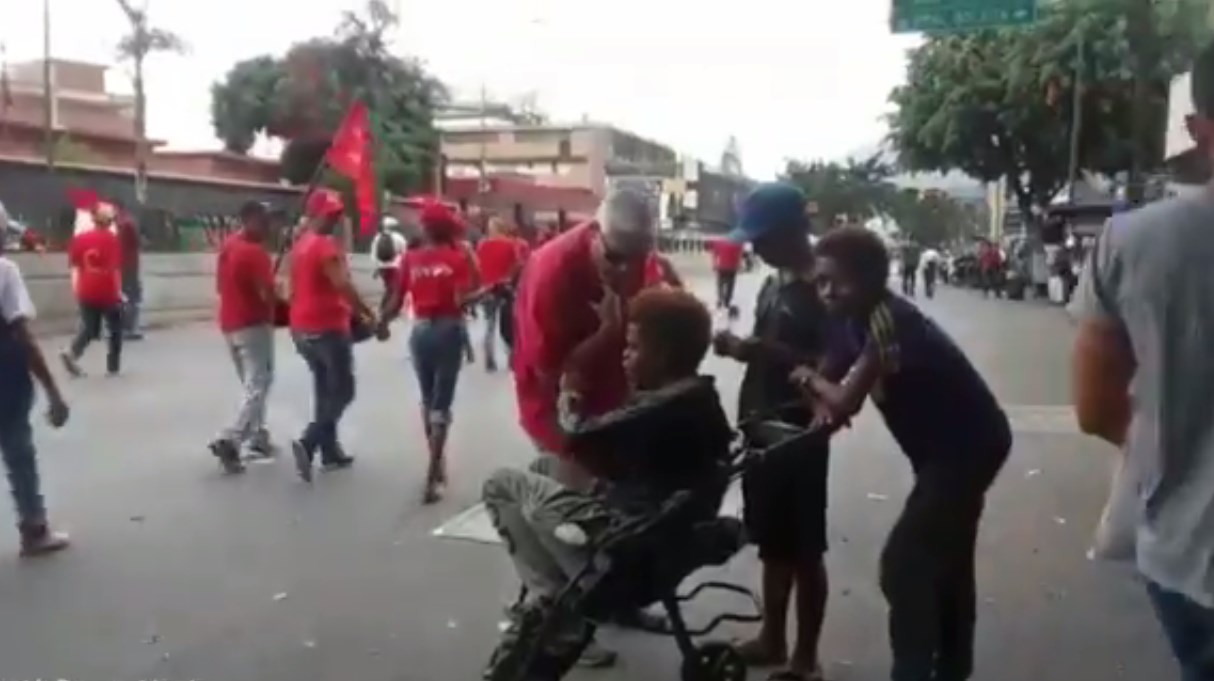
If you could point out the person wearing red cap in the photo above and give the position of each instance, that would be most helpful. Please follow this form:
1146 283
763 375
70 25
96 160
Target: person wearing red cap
322 302
95 256
437 278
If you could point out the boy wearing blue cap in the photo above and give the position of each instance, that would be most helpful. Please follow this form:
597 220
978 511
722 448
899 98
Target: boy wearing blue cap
785 495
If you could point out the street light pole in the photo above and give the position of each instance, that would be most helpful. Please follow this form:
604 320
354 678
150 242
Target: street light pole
1076 119
48 88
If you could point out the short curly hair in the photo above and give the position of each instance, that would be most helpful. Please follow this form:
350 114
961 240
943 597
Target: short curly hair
674 323
859 251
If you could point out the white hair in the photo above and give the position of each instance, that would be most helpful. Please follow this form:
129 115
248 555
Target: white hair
625 212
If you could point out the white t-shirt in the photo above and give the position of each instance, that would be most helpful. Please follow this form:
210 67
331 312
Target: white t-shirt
15 302
398 241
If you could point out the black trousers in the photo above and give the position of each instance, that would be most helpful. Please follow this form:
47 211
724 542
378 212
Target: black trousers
330 358
927 570
92 317
726 282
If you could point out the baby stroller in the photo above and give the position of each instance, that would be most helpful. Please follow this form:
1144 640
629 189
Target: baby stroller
642 561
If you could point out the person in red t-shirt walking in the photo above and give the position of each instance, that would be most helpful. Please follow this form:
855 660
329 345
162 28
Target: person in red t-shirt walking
726 261
500 258
323 300
244 280
436 276
96 258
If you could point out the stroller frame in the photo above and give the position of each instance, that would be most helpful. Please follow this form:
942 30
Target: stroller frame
702 661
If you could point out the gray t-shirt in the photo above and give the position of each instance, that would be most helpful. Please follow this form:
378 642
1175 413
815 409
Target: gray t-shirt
1152 272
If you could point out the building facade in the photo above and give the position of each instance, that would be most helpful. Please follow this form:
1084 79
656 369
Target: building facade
587 156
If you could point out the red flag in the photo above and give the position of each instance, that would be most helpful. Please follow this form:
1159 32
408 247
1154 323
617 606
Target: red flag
350 155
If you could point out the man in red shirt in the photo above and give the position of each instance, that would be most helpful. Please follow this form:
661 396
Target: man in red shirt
132 282
726 261
500 257
569 330
323 300
244 280
96 258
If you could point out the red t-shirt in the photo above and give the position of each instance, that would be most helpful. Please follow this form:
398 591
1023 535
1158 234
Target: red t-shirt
726 255
242 272
316 305
128 235
435 278
523 248
499 258
96 255
553 314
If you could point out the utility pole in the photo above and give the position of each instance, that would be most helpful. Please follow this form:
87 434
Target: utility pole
1072 173
48 88
482 186
1141 35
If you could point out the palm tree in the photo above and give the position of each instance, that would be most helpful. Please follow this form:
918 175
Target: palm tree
136 46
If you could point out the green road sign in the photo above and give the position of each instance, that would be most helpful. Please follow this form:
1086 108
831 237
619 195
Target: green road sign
946 16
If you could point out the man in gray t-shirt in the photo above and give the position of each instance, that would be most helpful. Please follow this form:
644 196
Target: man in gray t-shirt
1144 379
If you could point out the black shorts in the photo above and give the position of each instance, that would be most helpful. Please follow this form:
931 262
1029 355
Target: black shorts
785 504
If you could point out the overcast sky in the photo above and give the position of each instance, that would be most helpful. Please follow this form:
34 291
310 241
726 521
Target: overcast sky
789 78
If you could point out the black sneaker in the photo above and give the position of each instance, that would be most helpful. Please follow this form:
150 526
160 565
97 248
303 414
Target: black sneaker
337 463
303 460
228 455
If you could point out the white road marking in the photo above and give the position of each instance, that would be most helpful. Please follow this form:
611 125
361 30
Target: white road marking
473 524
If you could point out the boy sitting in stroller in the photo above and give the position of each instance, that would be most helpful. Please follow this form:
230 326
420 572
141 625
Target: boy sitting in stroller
671 435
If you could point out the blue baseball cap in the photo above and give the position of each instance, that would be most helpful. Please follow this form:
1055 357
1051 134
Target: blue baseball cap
771 207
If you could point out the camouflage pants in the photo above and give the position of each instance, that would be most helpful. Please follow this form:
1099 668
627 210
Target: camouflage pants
527 508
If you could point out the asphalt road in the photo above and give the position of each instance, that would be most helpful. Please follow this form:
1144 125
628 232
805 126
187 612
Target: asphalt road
179 573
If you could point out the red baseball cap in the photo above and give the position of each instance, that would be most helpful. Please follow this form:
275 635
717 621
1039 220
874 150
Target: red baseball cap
324 203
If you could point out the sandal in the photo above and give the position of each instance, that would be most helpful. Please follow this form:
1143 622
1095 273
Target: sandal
755 654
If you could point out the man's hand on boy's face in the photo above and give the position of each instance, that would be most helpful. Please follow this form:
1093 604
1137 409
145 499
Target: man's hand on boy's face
610 309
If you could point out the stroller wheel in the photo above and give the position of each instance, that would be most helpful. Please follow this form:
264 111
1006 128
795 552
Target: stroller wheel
715 661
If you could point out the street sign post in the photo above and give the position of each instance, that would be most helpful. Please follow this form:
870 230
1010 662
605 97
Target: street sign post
950 16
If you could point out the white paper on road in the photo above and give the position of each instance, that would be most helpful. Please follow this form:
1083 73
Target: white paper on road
473 524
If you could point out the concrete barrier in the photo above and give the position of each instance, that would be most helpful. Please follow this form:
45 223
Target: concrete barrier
181 287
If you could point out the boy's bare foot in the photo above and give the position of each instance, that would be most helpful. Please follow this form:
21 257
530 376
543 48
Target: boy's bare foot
759 653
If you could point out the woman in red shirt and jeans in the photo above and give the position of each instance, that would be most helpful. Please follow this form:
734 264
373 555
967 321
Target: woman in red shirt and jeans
438 276
323 299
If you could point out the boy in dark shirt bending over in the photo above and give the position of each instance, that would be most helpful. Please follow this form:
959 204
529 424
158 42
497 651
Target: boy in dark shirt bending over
947 422
785 496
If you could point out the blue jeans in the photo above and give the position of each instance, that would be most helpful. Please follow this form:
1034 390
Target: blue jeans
21 462
437 347
1189 628
330 358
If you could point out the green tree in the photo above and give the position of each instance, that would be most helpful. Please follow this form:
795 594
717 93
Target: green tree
302 97
242 106
932 218
997 103
857 190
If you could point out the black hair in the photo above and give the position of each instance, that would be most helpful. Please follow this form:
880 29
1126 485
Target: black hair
253 209
859 251
1201 82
